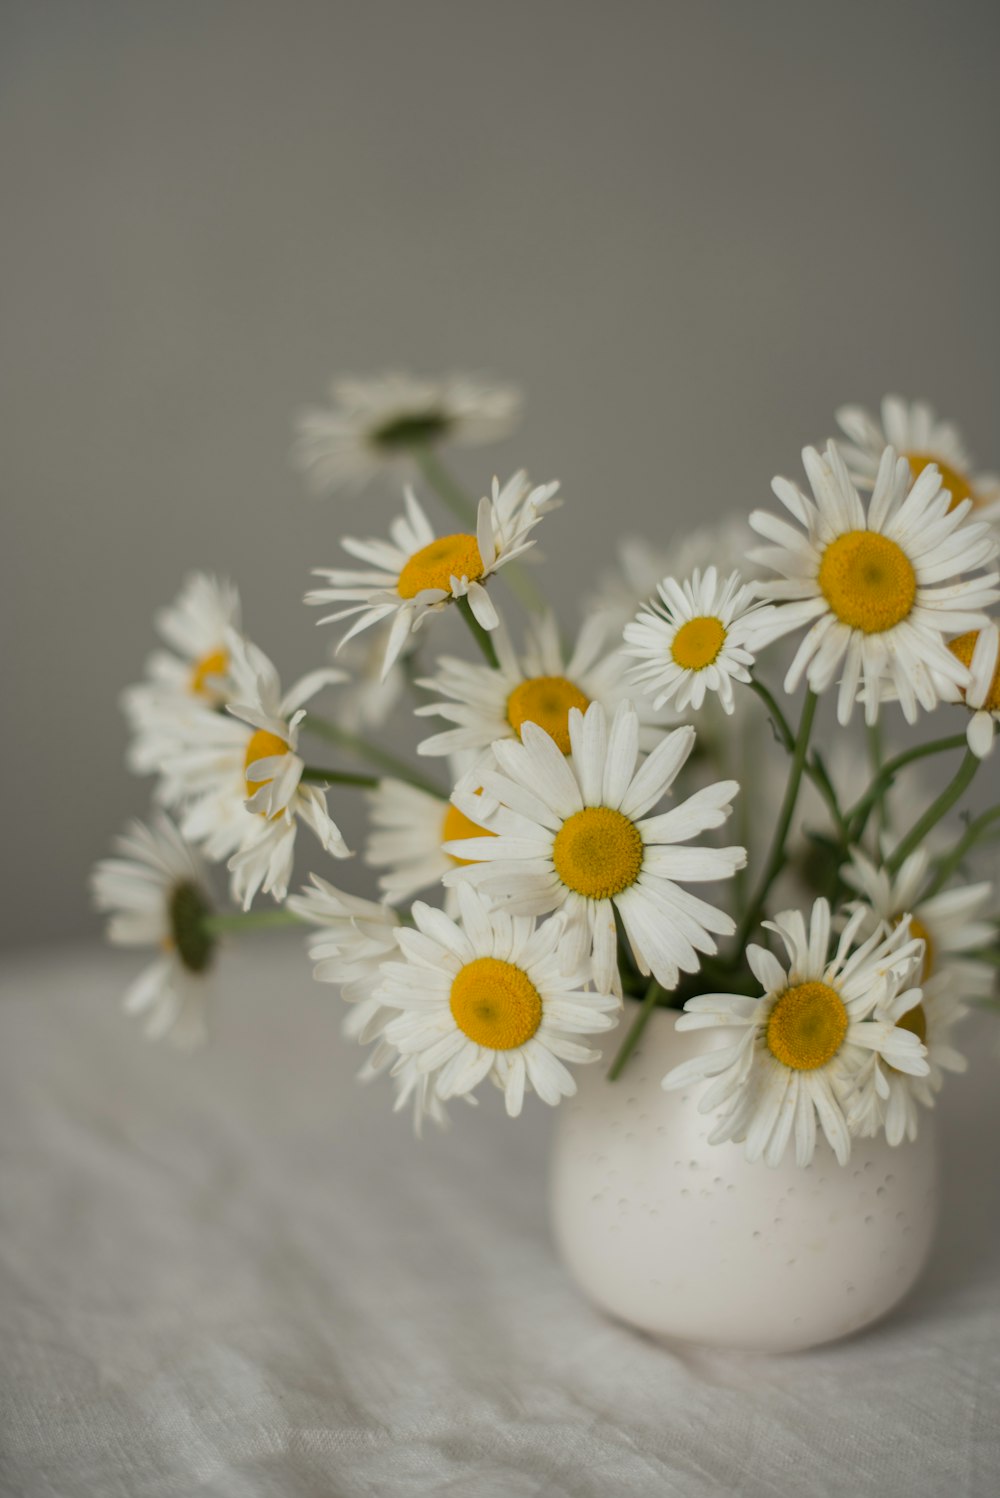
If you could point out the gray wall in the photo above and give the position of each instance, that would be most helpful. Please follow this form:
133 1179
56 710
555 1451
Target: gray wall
690 230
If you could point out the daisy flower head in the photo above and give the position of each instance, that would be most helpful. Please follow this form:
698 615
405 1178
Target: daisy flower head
795 1053
192 673
889 1099
952 924
979 650
417 573
351 940
489 995
410 827
880 587
575 834
155 893
916 433
539 685
640 566
384 422
237 776
700 637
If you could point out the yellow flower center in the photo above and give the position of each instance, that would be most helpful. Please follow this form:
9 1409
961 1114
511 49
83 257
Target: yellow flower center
914 1020
495 1004
262 745
917 928
455 825
598 852
215 663
964 647
956 483
434 565
807 1026
698 642
546 700
868 581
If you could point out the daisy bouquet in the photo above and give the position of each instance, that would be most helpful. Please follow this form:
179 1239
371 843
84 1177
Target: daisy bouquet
706 799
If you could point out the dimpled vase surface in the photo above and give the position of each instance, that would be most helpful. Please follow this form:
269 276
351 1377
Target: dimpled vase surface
690 1241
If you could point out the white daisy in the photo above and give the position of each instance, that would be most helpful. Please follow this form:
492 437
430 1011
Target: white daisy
539 686
801 1046
951 924
889 1099
156 894
418 573
379 423
238 779
352 940
880 587
980 652
194 672
701 637
573 834
916 433
641 565
491 997
409 830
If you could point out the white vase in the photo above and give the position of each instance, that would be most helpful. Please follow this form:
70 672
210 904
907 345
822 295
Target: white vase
690 1241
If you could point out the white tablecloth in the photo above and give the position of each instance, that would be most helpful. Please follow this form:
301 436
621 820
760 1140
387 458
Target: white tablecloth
238 1274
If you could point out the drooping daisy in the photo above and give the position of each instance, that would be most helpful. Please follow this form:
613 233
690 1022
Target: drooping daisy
156 894
980 652
700 637
539 686
409 830
194 672
799 1048
915 432
491 996
238 778
418 573
879 587
575 834
951 924
382 422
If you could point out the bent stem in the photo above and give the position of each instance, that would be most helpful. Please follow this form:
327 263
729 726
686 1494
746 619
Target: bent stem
815 768
479 634
635 1030
857 816
935 812
376 755
951 861
776 857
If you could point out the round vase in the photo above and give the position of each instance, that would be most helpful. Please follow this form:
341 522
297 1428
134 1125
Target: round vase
691 1241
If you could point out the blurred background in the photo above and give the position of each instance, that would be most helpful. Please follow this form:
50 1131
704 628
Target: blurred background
690 232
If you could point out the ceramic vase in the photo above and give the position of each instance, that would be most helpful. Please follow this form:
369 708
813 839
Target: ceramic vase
690 1241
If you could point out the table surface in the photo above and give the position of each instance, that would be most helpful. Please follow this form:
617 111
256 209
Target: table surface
237 1273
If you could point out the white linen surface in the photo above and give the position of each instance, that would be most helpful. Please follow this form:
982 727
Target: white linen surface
238 1274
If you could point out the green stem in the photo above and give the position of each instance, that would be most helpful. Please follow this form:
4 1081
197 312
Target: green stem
776 857
635 1030
935 811
320 776
250 920
371 752
479 634
951 861
815 768
857 816
448 490
875 757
